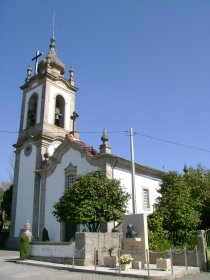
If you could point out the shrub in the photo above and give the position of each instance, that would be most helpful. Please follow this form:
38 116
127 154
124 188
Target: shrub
24 246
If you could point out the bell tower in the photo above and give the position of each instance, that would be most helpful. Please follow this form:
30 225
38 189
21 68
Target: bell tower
47 114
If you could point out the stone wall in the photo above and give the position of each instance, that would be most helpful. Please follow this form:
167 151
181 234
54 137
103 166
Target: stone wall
87 245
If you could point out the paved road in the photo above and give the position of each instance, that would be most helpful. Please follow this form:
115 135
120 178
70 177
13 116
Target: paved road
9 270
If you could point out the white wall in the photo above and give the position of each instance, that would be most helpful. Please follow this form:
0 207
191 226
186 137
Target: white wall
141 182
24 210
55 187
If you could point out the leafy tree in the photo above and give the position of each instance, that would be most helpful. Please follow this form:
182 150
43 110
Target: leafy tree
7 202
176 205
184 201
93 199
198 181
1 210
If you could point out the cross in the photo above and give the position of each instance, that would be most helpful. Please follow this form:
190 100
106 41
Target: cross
73 117
38 54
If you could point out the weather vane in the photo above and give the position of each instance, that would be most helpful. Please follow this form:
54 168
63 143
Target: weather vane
54 27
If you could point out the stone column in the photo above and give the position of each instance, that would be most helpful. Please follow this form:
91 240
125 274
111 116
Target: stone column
202 250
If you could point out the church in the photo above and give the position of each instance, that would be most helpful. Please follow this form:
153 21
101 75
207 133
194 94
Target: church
50 154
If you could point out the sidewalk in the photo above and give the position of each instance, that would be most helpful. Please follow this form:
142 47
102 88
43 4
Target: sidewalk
178 271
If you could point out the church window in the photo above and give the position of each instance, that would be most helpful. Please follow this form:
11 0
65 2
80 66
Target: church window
59 111
70 176
69 181
32 110
146 202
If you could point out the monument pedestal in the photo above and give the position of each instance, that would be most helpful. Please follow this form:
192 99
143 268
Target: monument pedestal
136 246
132 243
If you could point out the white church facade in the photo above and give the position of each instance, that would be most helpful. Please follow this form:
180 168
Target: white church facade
50 154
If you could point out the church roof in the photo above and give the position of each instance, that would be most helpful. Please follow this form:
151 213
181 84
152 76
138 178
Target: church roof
52 59
86 148
115 160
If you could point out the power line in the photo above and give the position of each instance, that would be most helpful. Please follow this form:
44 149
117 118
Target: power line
127 133
172 142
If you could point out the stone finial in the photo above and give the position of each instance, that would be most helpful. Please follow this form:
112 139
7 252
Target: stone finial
104 137
105 147
52 43
71 76
27 225
27 231
29 70
185 169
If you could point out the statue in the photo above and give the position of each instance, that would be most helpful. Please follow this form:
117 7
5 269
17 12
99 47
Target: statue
27 231
131 233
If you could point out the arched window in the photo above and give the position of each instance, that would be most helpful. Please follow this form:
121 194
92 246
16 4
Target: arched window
32 110
59 111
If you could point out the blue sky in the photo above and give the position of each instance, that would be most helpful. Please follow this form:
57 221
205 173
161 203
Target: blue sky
143 64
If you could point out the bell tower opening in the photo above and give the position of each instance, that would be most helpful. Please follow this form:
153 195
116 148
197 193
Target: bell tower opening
59 111
32 110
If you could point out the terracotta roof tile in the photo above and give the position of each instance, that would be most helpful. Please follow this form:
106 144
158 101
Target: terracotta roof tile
86 148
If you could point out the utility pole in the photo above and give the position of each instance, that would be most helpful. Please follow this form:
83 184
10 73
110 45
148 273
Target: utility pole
133 173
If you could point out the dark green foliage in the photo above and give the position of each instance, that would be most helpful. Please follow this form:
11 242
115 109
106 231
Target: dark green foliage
1 210
184 200
176 205
184 206
45 236
5 205
7 202
24 246
158 237
93 199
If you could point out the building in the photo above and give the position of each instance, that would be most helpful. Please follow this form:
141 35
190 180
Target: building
49 153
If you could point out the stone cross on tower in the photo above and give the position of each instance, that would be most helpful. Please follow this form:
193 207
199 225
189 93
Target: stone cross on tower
38 54
73 117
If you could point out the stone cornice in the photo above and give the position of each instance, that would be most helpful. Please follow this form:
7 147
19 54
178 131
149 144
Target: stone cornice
118 162
46 75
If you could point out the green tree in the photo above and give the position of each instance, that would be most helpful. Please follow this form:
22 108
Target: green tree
183 203
7 202
198 181
1 210
176 205
93 199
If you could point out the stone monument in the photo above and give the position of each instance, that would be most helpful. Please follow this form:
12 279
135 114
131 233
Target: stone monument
135 238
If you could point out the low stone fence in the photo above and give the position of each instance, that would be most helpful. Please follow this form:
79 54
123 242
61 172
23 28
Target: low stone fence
179 257
82 251
61 252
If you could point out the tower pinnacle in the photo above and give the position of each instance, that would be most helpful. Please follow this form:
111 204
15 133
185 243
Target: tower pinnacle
105 147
